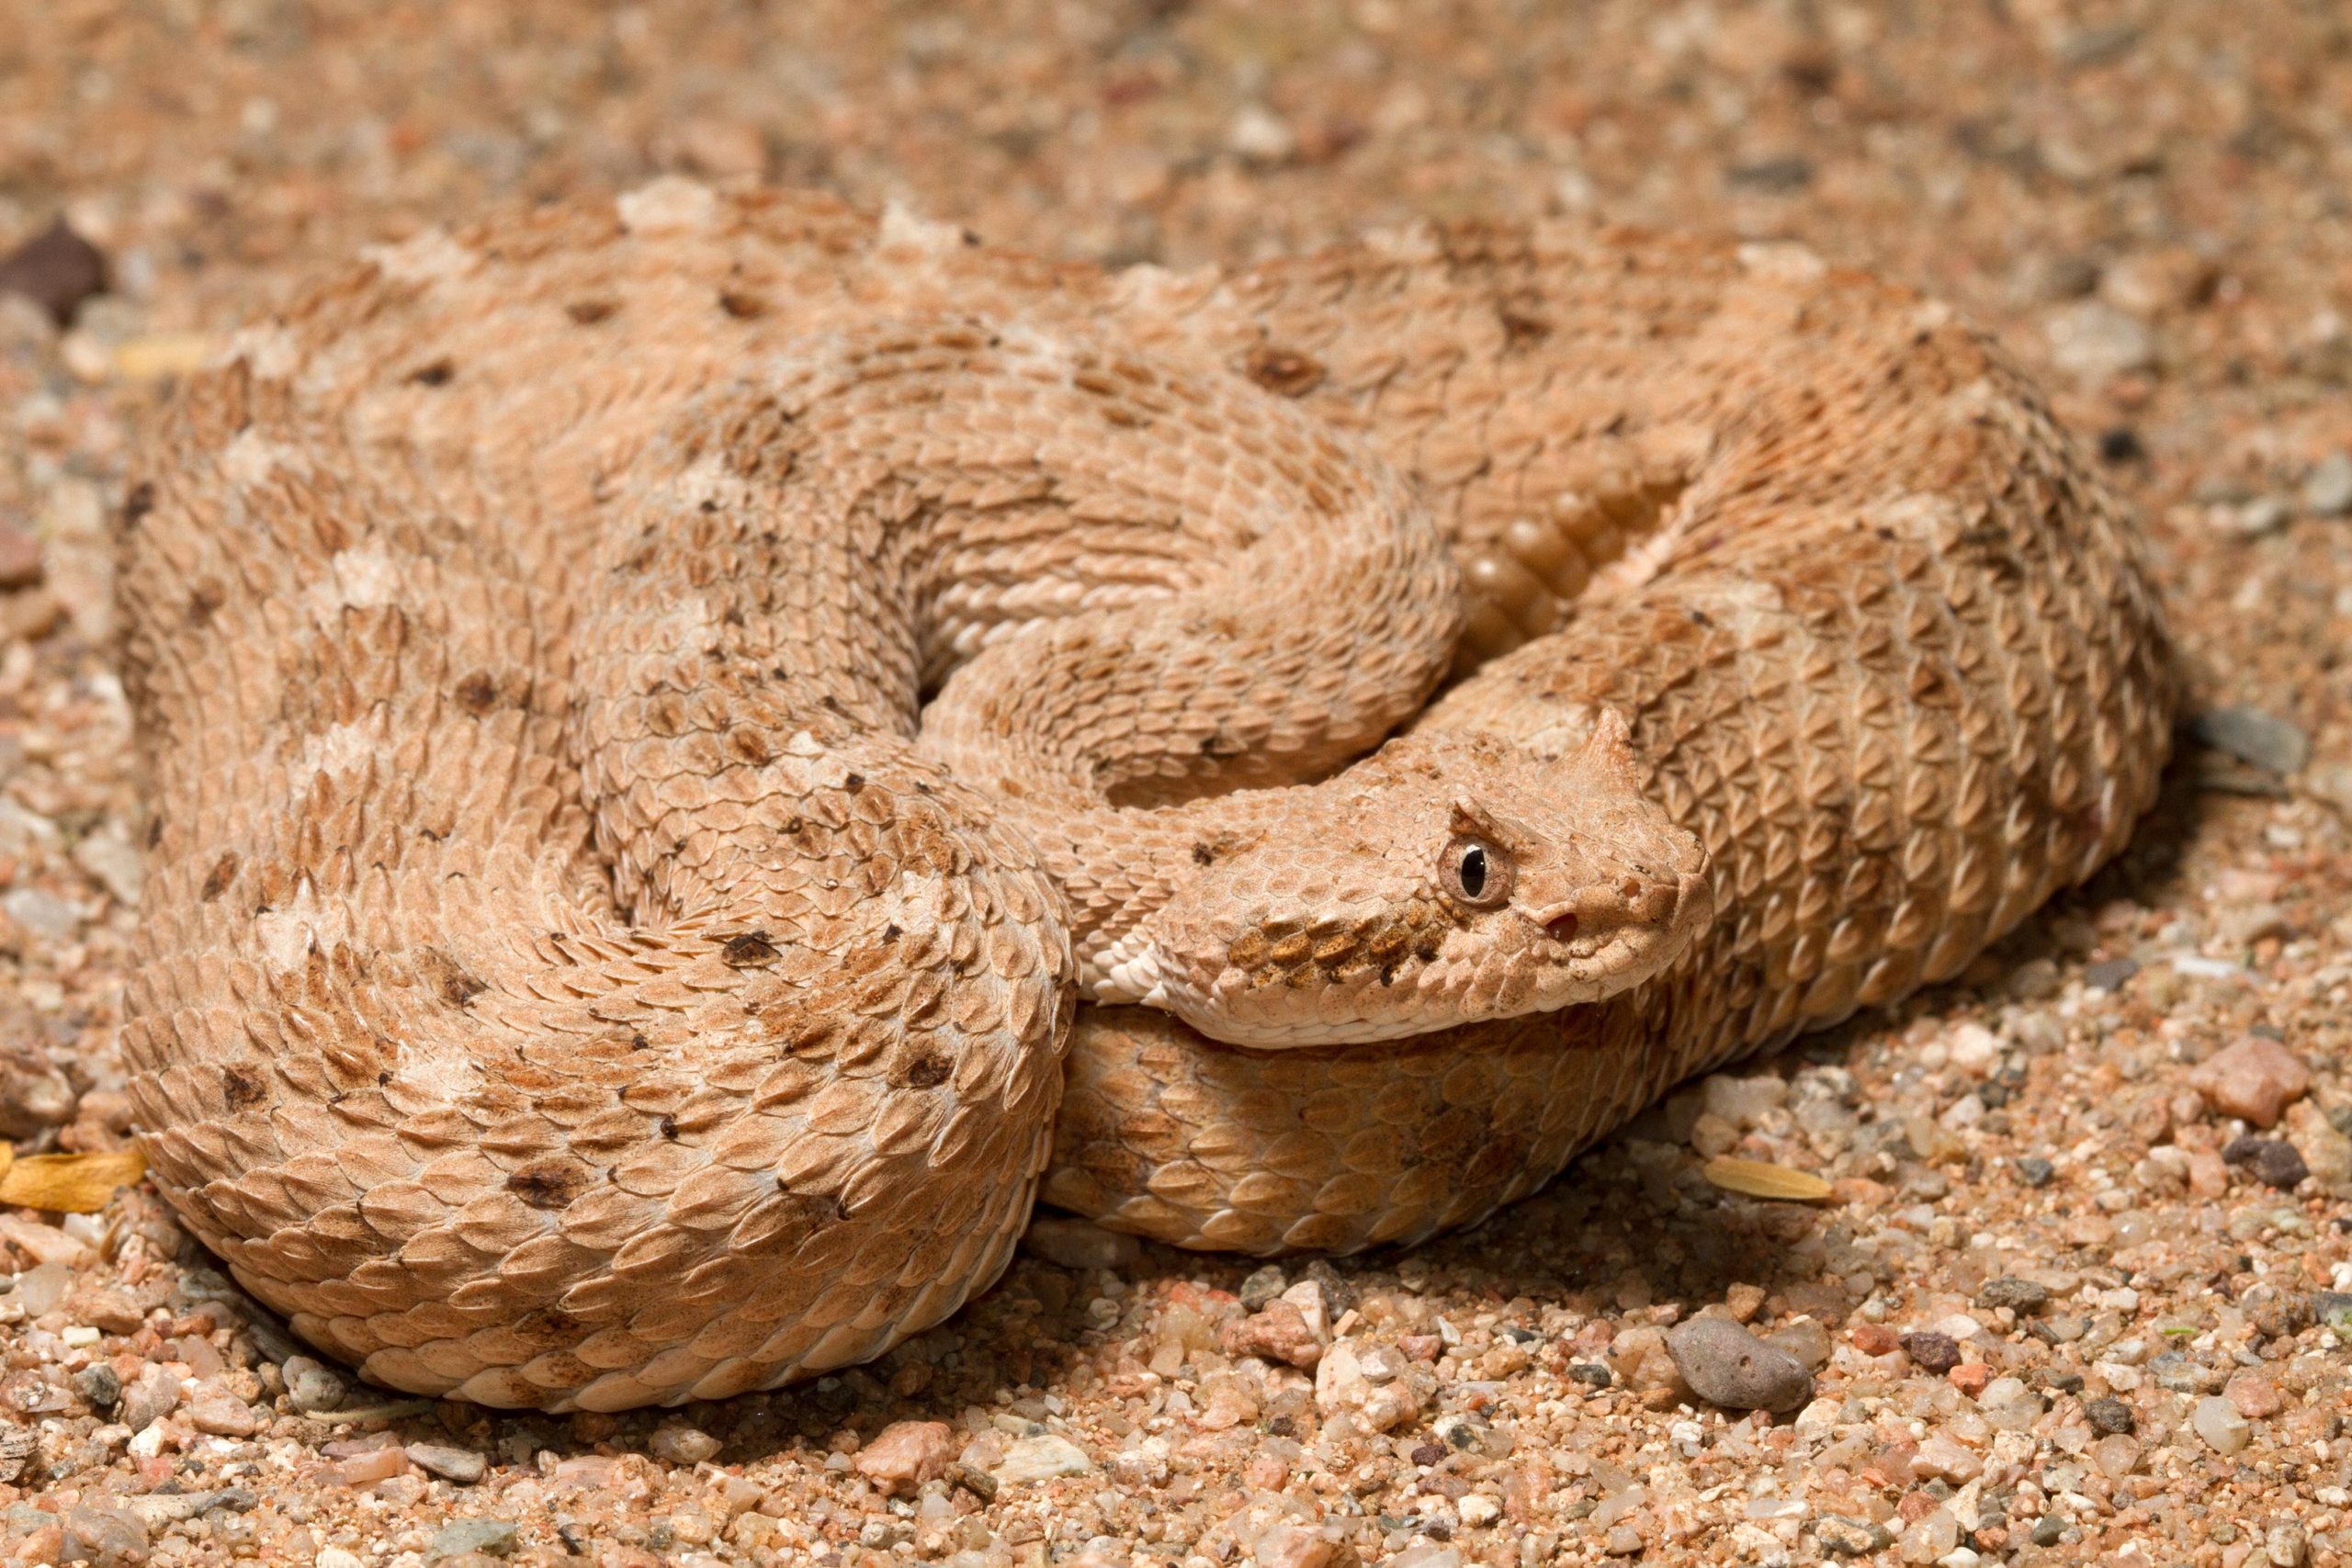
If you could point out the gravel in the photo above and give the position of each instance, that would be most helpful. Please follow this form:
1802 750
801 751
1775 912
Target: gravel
2126 207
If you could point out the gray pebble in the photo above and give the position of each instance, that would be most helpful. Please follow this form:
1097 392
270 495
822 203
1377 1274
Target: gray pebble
2255 737
1339 1291
2093 341
312 1387
2035 1171
99 1387
1262 1286
2108 974
2327 488
40 912
2332 1308
1842 1537
2177 1372
495 1536
461 1466
2021 1296
169 1508
1728 1366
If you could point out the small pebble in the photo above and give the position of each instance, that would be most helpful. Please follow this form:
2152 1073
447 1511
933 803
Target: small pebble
2035 1171
1078 1244
2252 1394
213 1409
2254 736
2275 1161
2109 1415
56 269
367 1469
104 1534
1728 1366
2110 974
2021 1296
2255 1080
1934 1352
1842 1537
1297 1546
311 1386
1040 1458
2094 342
493 1538
2327 488
460 1465
1261 136
150 1396
1278 1333
683 1445
99 1387
1262 1286
906 1454
1945 1457
2223 1426
20 556
2115 1455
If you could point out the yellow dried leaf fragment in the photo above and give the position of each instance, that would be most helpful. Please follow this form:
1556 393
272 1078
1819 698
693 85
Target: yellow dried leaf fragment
72 1184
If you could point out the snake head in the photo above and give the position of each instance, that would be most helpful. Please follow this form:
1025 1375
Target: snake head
1447 879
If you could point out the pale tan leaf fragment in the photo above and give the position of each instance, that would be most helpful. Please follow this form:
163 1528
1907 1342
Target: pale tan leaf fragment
158 355
1756 1179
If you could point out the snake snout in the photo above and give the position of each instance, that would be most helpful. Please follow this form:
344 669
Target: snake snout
1632 902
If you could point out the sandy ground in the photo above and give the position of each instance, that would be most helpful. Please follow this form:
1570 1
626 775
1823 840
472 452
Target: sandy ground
2080 1291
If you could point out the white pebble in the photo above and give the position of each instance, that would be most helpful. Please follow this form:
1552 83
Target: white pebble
2218 1422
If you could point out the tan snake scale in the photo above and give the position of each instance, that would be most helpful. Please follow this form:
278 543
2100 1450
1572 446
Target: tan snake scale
553 991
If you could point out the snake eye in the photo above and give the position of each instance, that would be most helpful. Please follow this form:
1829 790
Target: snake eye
1477 873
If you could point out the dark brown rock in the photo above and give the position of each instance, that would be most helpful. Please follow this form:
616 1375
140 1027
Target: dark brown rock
56 269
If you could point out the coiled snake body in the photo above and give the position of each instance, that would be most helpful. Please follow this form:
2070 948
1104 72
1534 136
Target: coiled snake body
571 978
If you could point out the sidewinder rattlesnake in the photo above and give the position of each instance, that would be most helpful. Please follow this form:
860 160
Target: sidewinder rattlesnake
568 979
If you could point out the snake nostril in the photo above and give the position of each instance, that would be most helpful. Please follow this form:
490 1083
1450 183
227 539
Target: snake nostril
1562 928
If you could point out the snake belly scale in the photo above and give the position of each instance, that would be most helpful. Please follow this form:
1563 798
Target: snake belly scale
570 976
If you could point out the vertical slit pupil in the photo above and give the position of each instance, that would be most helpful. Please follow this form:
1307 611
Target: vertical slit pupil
1474 871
